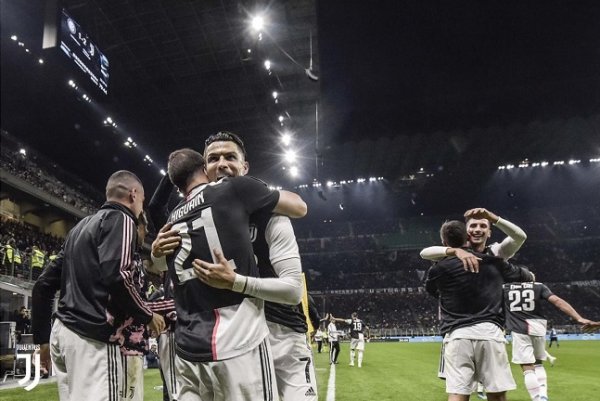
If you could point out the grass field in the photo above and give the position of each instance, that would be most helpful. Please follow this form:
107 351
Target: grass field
403 372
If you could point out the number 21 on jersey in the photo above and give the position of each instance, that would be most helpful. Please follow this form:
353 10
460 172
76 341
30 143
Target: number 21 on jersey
207 222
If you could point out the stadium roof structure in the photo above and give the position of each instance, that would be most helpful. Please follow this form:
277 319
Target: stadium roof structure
402 85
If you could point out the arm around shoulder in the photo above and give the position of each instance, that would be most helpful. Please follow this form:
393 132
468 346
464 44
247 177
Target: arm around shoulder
291 205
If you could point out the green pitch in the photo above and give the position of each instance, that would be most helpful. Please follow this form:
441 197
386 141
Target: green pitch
401 371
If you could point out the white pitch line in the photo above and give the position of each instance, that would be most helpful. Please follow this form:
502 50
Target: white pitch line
331 384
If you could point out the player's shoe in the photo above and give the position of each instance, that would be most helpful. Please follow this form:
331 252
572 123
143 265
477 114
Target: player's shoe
351 364
481 395
552 360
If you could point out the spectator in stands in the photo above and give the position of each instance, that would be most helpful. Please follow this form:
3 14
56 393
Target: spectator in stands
38 259
23 321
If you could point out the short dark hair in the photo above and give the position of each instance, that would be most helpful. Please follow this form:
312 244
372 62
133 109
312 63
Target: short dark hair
226 136
183 164
454 233
120 183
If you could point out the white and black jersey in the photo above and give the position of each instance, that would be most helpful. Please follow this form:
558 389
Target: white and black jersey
215 324
522 304
268 250
357 327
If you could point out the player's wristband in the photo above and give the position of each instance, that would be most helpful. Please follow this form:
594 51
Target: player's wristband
240 282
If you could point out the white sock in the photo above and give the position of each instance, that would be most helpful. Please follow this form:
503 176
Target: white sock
480 388
352 356
540 372
360 358
548 355
532 384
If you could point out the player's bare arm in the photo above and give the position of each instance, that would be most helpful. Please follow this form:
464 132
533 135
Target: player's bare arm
481 213
591 327
567 309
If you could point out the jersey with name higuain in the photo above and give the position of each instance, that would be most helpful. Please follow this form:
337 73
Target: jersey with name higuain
215 324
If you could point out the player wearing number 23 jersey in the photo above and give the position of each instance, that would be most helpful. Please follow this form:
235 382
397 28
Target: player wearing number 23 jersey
216 324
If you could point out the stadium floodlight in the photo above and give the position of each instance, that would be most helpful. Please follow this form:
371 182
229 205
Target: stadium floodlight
535 164
543 164
343 182
268 65
21 44
329 183
509 166
372 179
71 83
14 37
110 120
290 156
23 152
280 118
294 171
163 172
573 161
275 95
559 163
360 180
257 23
41 60
286 139
595 160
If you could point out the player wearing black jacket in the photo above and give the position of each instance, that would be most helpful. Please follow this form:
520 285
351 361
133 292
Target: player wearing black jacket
472 317
93 273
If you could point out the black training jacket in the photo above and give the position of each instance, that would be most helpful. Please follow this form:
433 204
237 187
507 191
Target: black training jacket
94 274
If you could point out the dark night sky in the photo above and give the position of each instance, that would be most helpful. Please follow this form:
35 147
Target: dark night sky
415 66
387 68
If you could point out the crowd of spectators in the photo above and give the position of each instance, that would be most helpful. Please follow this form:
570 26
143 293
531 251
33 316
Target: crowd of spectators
26 168
416 312
18 242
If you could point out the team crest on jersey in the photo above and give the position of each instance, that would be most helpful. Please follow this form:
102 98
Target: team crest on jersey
253 232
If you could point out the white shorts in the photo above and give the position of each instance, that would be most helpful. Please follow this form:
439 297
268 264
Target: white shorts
470 361
527 349
133 378
166 359
357 343
294 367
247 377
86 369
